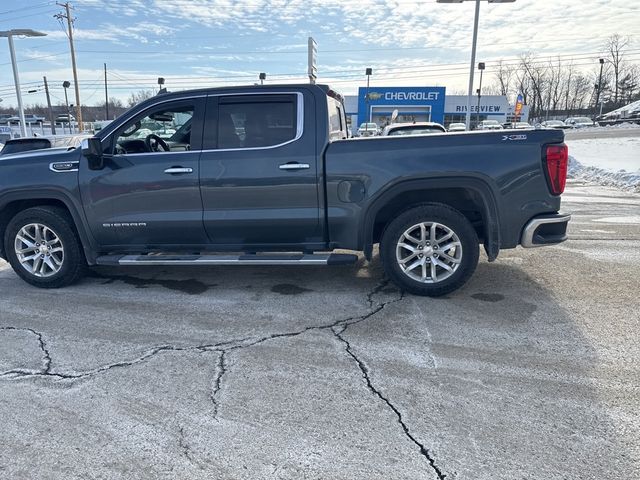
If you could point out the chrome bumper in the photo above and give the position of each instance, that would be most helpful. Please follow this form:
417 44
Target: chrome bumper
545 230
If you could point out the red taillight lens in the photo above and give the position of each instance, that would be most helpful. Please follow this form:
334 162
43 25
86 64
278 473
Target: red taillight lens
557 160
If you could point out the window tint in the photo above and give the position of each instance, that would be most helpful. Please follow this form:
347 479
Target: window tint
245 122
163 129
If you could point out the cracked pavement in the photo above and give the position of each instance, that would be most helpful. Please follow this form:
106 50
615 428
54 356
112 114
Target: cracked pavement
530 371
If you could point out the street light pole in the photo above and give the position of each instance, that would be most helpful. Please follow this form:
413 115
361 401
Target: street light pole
601 60
368 72
14 64
16 77
473 49
481 68
66 85
473 63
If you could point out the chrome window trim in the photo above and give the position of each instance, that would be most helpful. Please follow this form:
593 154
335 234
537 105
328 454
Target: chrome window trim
299 121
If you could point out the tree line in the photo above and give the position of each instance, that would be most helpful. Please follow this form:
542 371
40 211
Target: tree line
561 88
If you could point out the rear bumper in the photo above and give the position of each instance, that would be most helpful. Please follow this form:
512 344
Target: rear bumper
545 230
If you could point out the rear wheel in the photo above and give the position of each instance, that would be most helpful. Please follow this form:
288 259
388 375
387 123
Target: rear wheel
429 250
43 247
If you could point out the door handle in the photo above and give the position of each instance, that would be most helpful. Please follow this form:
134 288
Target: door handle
175 170
294 166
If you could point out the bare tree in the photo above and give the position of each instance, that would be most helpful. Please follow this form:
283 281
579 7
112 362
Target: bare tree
139 96
615 49
504 76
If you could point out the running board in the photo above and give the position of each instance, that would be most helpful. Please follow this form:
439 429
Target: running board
300 259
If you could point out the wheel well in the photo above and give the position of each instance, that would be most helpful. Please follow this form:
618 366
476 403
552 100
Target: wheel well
11 209
466 201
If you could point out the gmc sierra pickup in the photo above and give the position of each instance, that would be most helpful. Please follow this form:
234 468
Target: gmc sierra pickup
266 175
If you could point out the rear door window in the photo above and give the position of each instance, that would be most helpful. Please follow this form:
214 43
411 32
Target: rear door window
256 121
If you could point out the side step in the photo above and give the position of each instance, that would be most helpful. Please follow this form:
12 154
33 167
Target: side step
299 259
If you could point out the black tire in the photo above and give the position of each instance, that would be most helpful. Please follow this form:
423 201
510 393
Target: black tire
73 264
461 270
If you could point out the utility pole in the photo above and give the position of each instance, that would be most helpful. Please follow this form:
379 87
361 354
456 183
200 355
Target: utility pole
51 118
106 92
67 16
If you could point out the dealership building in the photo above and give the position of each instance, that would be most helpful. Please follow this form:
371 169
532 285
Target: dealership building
424 104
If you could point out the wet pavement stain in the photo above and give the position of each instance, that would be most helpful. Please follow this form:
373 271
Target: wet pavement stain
288 289
488 297
189 286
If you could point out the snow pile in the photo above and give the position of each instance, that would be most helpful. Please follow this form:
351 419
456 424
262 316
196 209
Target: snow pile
625 125
621 179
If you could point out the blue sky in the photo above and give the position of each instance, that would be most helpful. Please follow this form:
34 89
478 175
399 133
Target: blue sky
197 43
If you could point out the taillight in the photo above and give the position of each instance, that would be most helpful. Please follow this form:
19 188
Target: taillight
557 159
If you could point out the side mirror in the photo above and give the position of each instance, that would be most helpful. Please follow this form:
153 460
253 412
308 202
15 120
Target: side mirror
92 150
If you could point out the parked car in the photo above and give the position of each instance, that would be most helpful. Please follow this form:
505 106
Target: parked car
522 126
489 125
559 124
457 127
579 122
6 117
290 185
31 118
418 128
64 118
18 145
368 130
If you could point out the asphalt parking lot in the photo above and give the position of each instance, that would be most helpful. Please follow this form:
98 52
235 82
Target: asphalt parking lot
530 371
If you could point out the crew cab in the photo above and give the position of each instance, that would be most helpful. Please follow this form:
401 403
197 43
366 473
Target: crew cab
266 175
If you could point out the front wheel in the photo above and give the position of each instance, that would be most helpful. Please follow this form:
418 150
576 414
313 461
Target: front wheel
429 250
43 248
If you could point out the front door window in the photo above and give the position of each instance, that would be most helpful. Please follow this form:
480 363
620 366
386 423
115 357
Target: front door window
167 129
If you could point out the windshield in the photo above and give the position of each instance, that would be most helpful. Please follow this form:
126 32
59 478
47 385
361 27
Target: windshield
583 120
369 126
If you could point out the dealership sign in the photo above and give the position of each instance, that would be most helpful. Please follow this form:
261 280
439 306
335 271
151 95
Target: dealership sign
430 99
489 105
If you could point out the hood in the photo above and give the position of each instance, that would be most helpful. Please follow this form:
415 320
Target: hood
45 155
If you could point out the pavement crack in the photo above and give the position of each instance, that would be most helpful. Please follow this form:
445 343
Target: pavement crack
424 451
224 348
46 356
185 449
221 369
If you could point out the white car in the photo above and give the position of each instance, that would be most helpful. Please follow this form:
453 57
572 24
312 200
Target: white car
368 129
580 122
407 129
457 127
558 124
489 125
523 126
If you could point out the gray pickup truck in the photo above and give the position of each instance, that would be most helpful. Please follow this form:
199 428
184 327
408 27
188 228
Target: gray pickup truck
265 175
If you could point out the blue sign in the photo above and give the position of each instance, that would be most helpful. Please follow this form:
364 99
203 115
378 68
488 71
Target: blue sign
417 103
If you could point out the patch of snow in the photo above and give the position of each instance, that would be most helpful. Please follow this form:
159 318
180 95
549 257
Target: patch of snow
625 125
629 181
